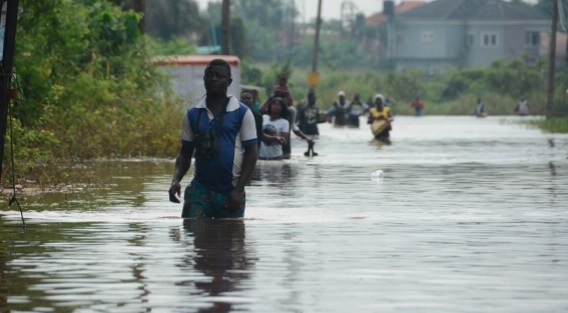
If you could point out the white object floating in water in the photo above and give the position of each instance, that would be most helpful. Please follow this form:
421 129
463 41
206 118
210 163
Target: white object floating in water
377 174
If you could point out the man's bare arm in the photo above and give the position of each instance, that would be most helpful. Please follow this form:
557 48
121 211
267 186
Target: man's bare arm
182 165
249 162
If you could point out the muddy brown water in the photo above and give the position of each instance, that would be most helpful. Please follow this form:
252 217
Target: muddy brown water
471 215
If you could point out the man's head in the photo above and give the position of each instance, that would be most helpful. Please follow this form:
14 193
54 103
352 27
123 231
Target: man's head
341 96
278 107
217 78
312 96
247 98
254 93
283 79
379 100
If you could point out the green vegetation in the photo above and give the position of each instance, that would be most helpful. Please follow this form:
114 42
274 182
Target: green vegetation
553 125
87 90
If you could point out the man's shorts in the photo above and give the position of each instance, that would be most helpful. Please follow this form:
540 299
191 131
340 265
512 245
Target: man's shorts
201 202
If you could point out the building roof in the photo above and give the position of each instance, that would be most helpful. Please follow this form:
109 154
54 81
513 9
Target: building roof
486 10
200 60
380 17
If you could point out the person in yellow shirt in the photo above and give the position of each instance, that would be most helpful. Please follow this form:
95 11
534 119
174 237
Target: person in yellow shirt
380 119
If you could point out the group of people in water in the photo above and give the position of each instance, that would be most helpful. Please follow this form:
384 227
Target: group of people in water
275 120
522 108
346 113
277 117
226 136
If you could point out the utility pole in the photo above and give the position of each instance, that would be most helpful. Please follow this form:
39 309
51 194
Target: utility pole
225 19
291 27
552 61
316 39
313 76
7 64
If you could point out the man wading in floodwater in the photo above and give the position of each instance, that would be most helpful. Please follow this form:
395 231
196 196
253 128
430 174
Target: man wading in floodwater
222 132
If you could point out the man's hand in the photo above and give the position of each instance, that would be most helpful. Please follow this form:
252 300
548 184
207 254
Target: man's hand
175 192
234 200
280 140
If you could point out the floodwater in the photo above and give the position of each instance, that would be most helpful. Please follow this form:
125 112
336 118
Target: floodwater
471 215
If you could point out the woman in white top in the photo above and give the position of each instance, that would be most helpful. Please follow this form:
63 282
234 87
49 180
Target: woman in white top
275 124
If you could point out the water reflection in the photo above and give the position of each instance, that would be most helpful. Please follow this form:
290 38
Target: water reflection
552 168
273 172
220 253
380 143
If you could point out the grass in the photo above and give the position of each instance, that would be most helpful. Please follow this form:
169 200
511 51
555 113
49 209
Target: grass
553 125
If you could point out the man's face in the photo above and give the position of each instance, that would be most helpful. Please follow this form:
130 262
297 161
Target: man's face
379 102
246 98
312 98
276 108
217 80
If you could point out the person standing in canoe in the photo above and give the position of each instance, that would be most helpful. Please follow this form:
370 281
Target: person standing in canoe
380 119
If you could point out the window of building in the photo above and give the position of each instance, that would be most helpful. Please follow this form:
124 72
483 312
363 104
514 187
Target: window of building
427 36
489 39
532 39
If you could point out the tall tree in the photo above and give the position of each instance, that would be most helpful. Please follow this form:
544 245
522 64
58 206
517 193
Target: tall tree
239 44
271 22
167 19
266 13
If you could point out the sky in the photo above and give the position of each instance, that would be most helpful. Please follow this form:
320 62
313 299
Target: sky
331 9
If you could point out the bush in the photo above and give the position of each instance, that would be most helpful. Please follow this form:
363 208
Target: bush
90 88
